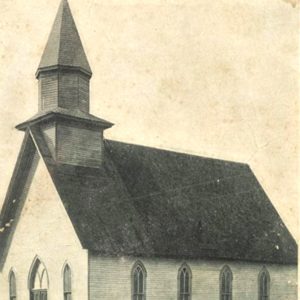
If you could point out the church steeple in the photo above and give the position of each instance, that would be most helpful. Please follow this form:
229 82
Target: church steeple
64 72
64 47
73 135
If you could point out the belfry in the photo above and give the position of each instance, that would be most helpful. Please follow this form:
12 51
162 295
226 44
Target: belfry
74 136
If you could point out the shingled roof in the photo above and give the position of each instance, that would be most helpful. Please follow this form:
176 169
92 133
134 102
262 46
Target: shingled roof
64 47
154 203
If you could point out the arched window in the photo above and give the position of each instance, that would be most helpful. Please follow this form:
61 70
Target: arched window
139 282
38 281
184 283
226 284
67 283
264 284
12 286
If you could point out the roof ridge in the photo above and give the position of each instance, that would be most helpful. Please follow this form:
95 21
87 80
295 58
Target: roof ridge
179 153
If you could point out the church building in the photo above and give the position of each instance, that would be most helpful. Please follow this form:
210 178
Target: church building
87 218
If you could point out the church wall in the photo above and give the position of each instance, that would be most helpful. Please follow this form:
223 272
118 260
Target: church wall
77 145
44 230
110 278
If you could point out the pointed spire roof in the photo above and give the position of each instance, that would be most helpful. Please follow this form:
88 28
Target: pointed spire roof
64 47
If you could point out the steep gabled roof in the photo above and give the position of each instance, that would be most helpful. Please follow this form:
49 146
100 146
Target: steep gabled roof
64 46
150 202
16 193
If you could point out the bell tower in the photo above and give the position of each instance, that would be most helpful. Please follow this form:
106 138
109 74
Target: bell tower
73 135
64 71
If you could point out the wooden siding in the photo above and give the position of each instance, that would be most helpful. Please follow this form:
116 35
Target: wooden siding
84 93
69 90
48 91
110 278
79 146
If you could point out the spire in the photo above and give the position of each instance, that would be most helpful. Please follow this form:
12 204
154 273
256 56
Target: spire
71 133
64 47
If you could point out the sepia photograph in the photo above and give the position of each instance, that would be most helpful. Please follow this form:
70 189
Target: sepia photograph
149 149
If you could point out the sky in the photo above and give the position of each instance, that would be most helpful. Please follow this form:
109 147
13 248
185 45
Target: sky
211 78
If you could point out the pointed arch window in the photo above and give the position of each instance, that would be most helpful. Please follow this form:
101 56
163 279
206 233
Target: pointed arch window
12 286
38 281
139 282
184 283
67 283
226 284
264 284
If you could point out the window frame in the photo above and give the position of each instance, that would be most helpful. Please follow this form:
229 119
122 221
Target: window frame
189 271
138 264
67 292
264 271
12 275
226 269
33 272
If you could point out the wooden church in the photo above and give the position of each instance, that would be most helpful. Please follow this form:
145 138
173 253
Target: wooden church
86 218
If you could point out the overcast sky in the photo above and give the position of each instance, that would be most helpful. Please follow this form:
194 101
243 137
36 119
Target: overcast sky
212 78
